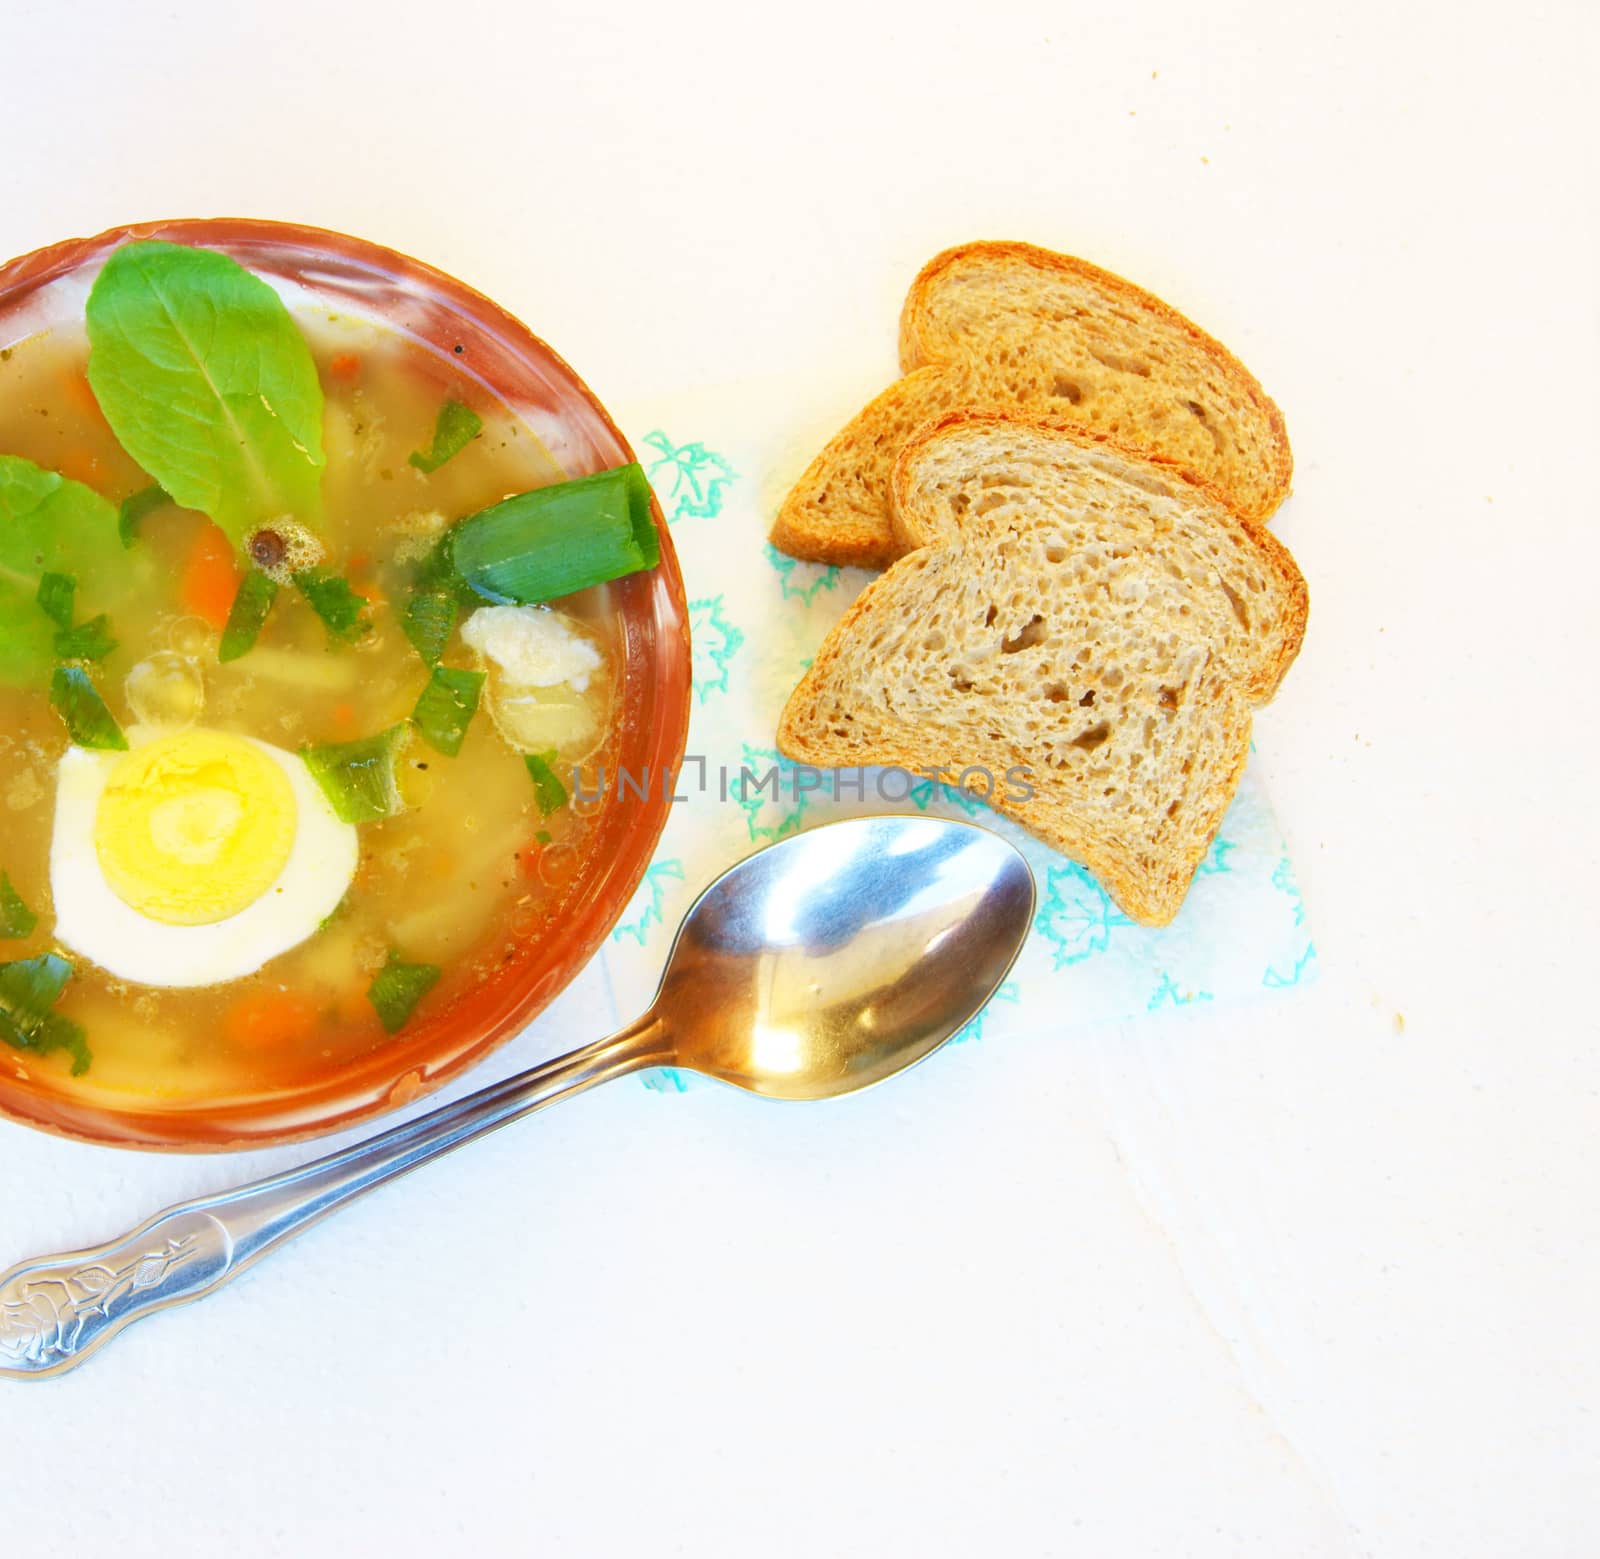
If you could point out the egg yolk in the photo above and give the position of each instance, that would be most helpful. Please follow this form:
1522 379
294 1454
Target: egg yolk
194 827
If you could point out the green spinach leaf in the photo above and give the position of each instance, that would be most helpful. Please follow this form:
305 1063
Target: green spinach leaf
208 384
48 525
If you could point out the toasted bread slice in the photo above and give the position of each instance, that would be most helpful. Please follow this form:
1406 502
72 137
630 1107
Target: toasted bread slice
1073 609
1011 326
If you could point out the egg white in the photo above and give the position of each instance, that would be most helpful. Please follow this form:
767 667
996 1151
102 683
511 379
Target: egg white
92 921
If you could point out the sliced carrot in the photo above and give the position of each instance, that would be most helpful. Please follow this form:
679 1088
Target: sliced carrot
345 366
266 1019
75 386
81 465
344 716
210 577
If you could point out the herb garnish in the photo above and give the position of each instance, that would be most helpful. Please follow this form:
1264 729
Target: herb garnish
16 919
134 508
446 708
397 989
89 723
548 790
428 619
457 426
29 989
249 611
332 599
556 540
88 641
54 597
358 777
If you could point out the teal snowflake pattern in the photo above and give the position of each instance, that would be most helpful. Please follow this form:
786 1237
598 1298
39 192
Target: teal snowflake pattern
769 813
715 642
665 1079
802 581
1283 881
1168 994
1216 858
700 477
1010 992
967 801
1077 917
1305 964
648 901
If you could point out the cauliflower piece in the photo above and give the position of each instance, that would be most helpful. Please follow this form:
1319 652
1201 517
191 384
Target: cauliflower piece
533 646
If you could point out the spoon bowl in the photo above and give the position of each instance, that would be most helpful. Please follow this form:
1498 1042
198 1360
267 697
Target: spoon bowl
816 967
836 958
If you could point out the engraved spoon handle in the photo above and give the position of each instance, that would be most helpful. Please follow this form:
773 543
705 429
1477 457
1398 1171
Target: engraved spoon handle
55 1311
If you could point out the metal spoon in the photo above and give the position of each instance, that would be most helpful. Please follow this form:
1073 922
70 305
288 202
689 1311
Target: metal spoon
815 967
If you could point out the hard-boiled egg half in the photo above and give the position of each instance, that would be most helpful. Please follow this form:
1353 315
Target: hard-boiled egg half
193 857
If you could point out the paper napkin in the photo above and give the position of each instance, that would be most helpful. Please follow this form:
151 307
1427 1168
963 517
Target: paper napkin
720 461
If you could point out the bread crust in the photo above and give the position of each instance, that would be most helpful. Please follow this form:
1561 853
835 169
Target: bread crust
803 528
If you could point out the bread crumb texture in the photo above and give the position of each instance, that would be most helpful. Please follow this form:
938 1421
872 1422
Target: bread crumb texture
1105 620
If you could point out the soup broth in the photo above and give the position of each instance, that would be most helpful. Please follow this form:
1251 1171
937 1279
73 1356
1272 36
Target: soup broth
472 867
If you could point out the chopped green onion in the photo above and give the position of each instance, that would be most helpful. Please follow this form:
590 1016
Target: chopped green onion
29 989
446 708
16 919
398 988
335 603
89 722
436 570
55 595
135 507
547 788
358 777
543 836
560 539
457 426
88 641
428 619
248 612
56 1032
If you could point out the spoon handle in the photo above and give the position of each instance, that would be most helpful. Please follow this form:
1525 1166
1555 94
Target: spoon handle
55 1311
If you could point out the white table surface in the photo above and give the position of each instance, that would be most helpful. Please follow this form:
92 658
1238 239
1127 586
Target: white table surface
1318 1278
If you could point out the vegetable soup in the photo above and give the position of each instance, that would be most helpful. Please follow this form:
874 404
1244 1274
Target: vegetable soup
303 639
